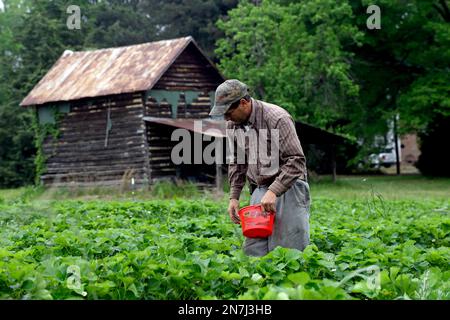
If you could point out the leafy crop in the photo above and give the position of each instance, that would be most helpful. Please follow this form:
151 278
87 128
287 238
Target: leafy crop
190 250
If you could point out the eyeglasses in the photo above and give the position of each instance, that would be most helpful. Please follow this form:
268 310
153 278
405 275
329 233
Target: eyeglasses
231 109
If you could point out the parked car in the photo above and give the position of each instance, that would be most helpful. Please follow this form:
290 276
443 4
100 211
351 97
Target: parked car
386 158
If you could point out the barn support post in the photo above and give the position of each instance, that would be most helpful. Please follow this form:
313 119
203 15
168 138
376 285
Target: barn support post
397 157
219 178
333 161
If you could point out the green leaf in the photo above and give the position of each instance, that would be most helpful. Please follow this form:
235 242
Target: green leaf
299 278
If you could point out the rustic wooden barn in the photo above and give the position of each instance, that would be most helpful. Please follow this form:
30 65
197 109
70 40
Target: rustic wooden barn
97 101
114 111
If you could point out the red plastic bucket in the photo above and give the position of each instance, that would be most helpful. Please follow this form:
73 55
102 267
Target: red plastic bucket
254 223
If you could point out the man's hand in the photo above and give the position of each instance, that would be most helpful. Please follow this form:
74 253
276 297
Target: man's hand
268 201
233 209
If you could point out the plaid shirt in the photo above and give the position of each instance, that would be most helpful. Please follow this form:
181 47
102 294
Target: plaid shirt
292 162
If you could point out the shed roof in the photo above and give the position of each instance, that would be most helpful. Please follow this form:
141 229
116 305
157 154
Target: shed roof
310 134
210 127
86 74
217 128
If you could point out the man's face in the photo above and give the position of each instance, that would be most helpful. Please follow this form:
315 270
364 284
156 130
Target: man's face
238 114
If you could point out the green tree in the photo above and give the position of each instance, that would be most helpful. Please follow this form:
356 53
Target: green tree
32 37
319 60
293 54
16 139
118 23
428 96
403 69
177 18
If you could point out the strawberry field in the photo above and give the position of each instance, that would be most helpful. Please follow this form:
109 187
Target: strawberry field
188 249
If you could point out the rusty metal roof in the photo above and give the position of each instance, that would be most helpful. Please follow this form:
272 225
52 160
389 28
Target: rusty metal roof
103 72
215 128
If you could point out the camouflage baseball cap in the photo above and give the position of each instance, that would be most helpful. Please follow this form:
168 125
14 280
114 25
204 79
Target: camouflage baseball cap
226 94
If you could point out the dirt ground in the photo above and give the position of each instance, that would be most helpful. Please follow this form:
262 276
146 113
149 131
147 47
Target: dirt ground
405 168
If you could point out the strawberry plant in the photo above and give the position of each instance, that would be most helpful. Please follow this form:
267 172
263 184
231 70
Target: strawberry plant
190 250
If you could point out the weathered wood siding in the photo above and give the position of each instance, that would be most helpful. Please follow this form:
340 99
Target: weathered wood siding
190 72
134 149
160 148
79 154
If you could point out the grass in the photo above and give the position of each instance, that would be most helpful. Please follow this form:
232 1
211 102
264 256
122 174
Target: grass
414 187
189 249
116 237
389 187
160 190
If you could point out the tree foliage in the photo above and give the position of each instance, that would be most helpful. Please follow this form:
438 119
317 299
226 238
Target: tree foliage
406 66
318 59
403 68
16 140
293 54
33 34
175 18
434 160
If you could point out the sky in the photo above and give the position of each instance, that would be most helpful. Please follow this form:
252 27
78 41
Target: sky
2 7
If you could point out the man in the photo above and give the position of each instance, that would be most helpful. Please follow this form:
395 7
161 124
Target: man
284 190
